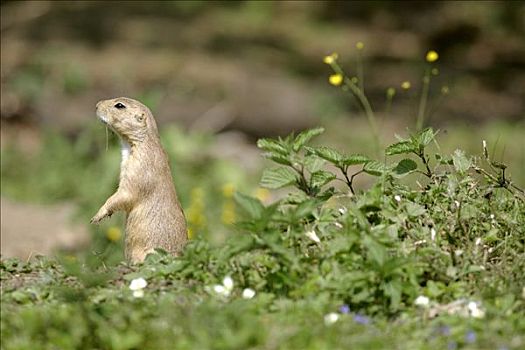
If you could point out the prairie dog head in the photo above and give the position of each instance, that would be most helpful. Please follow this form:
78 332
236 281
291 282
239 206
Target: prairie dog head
129 118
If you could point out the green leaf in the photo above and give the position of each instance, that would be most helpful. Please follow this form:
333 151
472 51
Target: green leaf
405 166
375 168
305 136
313 164
278 177
355 159
328 154
414 209
273 146
393 290
321 178
426 136
252 206
280 159
403 147
376 251
460 160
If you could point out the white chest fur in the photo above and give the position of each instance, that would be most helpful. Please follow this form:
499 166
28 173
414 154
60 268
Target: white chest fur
125 151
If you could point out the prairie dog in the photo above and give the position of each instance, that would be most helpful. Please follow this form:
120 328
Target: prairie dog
154 217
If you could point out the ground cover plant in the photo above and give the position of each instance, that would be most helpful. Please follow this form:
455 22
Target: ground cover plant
430 254
434 264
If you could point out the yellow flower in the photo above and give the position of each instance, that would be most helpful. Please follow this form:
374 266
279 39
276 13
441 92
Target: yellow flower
191 234
262 194
228 212
113 233
228 190
405 85
390 92
335 79
195 215
359 45
330 58
432 56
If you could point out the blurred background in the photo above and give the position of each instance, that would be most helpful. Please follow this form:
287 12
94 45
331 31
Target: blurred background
218 75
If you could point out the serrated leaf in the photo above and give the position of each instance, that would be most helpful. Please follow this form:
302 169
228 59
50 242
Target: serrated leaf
376 251
278 177
403 147
305 136
252 206
405 166
414 210
355 159
313 164
273 146
460 161
375 168
321 178
393 290
280 159
328 154
426 136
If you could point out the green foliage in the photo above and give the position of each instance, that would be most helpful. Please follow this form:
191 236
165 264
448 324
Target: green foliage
458 237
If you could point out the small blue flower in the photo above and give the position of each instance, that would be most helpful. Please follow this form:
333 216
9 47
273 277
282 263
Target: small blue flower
361 319
452 345
444 330
344 309
470 337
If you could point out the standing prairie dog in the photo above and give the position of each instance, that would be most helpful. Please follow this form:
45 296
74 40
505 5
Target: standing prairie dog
154 217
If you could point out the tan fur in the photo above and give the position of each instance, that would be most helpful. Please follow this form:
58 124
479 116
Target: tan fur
154 217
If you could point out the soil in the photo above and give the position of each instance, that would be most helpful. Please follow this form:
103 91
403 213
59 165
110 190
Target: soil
29 230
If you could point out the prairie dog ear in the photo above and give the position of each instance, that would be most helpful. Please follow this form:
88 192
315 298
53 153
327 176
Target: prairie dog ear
140 117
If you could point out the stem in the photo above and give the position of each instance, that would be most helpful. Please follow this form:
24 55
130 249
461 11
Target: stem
365 104
360 73
348 181
423 101
425 161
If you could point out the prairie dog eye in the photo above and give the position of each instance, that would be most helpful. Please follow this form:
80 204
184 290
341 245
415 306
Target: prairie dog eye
119 106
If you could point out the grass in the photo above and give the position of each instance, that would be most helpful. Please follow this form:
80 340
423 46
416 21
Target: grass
329 270
415 245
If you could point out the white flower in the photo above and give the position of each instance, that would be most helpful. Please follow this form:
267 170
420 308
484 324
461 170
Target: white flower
478 241
248 293
484 144
225 288
220 289
138 293
138 284
342 210
422 301
458 252
227 282
397 198
432 234
475 310
331 318
338 224
313 236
